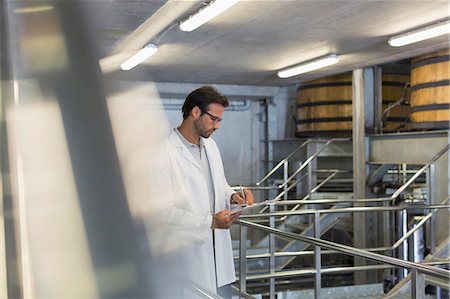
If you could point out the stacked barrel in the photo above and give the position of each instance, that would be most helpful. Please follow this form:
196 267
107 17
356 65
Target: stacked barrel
324 106
430 91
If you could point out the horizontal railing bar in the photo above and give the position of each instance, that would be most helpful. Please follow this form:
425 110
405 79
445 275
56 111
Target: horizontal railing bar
437 272
242 294
332 170
436 263
195 287
343 210
311 271
308 252
273 187
292 202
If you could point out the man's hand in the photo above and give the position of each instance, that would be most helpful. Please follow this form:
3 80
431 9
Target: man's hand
238 199
224 219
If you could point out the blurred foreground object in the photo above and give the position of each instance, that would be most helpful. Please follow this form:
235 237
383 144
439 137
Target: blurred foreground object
68 229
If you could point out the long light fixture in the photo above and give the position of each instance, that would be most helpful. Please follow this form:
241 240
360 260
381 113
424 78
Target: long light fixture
310 65
207 13
420 34
139 57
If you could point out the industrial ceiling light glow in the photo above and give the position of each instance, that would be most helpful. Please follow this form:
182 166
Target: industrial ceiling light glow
420 34
308 66
139 57
207 13
33 9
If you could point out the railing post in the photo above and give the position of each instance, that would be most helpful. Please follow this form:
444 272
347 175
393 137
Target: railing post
272 255
403 227
431 225
431 199
242 258
388 236
417 285
285 178
317 257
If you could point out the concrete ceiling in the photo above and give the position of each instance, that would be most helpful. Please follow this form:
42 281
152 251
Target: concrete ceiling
247 44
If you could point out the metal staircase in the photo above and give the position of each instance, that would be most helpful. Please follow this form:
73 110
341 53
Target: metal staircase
296 235
301 179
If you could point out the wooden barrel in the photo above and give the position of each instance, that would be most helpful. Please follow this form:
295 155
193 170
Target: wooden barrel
324 106
430 91
396 113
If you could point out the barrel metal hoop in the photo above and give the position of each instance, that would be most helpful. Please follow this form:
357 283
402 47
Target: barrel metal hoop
334 133
397 119
431 60
323 120
393 83
430 125
430 85
430 107
330 84
324 103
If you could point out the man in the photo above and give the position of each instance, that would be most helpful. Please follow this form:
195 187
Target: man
194 198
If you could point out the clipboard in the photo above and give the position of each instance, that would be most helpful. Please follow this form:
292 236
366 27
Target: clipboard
239 208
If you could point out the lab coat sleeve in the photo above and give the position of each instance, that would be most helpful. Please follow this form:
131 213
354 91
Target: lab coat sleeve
228 193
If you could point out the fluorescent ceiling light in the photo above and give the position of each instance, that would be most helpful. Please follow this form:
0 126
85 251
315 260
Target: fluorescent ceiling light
309 66
139 57
207 13
420 34
33 9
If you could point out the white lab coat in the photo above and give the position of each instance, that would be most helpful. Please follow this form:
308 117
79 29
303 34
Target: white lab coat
182 221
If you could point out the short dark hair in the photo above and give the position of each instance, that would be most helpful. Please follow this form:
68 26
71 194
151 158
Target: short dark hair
201 98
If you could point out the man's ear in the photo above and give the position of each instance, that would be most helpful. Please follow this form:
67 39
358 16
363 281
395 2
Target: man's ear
196 112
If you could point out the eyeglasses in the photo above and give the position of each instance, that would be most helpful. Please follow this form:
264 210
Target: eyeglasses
214 119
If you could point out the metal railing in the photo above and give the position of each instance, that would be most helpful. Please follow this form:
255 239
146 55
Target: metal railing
395 246
416 269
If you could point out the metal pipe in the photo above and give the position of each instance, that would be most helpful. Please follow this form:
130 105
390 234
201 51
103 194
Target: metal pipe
242 260
311 271
285 177
403 214
344 210
432 198
302 253
317 258
325 201
272 257
411 231
417 284
352 251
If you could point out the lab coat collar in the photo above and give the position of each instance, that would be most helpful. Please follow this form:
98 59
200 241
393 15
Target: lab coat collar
176 141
